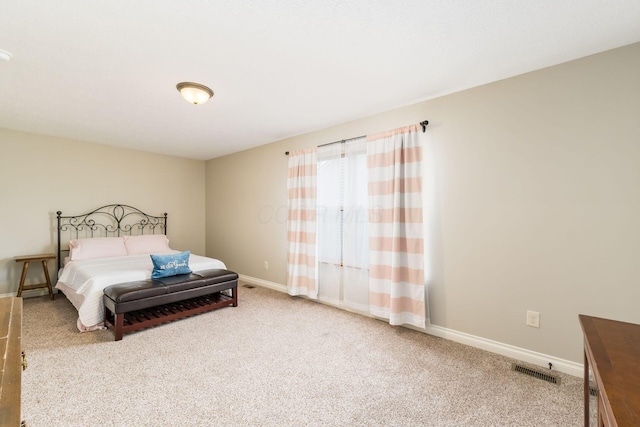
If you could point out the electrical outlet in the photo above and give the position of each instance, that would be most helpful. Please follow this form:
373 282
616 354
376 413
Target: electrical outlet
266 265
533 319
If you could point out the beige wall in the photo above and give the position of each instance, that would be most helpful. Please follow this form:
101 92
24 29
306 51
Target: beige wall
40 175
539 201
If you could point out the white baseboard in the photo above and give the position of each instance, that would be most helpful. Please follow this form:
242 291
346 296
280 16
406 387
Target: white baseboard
522 354
30 293
263 283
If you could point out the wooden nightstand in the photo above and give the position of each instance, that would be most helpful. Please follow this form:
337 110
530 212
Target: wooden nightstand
26 259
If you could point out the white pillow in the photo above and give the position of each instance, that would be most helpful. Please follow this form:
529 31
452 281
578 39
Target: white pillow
146 244
96 247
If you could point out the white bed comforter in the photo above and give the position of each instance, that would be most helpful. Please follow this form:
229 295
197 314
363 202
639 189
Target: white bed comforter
88 278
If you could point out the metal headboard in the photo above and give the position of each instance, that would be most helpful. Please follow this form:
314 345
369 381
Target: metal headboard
107 221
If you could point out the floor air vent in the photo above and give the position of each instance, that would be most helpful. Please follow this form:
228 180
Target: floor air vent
536 373
246 285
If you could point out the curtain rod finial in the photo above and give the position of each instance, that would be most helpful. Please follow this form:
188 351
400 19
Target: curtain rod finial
286 153
424 125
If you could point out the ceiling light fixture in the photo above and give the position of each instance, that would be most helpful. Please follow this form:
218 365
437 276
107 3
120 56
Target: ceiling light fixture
4 55
194 93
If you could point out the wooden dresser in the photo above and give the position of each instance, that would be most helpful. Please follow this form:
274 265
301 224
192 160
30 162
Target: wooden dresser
612 350
11 361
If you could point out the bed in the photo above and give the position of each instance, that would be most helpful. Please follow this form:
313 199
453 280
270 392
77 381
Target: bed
110 245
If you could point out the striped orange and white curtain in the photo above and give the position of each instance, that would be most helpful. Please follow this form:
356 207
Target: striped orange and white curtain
396 237
301 223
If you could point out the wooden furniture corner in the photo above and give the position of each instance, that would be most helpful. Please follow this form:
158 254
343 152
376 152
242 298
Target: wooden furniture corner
612 349
13 362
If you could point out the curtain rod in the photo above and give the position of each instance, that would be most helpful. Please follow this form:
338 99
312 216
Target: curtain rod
423 123
342 140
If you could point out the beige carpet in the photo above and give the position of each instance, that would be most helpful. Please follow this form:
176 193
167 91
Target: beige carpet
274 360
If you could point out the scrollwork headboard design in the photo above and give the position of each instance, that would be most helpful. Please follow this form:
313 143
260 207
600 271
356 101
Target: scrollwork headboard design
107 221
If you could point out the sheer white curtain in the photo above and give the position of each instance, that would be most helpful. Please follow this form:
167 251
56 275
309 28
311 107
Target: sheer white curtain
329 216
355 274
343 254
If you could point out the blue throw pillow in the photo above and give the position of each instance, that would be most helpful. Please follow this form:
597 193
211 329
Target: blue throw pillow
170 265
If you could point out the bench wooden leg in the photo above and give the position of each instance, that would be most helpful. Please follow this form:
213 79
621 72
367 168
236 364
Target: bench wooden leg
234 295
118 325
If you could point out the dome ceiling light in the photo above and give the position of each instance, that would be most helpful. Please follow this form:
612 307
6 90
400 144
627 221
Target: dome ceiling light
4 55
194 93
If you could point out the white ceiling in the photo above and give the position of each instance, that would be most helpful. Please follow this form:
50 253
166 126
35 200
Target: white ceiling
105 71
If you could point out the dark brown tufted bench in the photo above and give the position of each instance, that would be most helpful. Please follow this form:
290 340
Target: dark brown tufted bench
135 305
